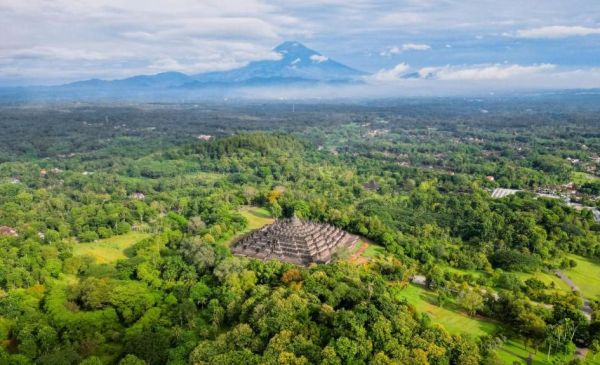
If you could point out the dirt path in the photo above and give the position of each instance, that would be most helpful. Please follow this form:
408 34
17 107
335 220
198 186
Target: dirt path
357 257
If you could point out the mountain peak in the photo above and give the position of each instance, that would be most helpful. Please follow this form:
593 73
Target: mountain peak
292 46
293 52
298 64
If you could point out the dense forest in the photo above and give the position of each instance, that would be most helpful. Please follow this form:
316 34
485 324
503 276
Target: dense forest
116 223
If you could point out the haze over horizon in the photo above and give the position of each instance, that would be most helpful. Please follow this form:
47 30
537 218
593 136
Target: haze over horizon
443 43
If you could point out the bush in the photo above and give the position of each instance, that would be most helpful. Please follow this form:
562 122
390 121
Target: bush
105 232
512 260
534 283
123 227
88 236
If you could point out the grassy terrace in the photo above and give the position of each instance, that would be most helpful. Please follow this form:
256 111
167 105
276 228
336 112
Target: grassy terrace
110 249
579 177
373 250
514 351
257 218
547 278
454 320
586 275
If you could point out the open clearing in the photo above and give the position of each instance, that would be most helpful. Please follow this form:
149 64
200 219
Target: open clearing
586 275
453 320
110 249
511 352
257 218
363 251
514 351
373 251
546 278
579 177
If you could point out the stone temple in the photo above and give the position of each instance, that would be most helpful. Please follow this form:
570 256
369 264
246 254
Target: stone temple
295 241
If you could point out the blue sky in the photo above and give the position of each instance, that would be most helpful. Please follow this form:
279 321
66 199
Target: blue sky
546 43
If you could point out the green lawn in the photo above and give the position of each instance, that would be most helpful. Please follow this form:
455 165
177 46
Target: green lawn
452 319
373 250
474 273
515 350
546 278
110 249
579 177
257 218
586 275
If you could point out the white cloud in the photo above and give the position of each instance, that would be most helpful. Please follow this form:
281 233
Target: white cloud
483 72
74 40
318 58
404 48
390 51
415 47
90 38
387 75
61 53
555 31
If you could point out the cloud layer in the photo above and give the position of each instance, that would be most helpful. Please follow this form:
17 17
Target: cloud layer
556 31
483 72
57 41
394 50
386 75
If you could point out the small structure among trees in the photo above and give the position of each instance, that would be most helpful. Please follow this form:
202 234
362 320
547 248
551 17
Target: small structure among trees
138 196
372 185
8 231
294 240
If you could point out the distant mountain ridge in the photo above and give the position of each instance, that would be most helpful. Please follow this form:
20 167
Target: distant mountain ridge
297 65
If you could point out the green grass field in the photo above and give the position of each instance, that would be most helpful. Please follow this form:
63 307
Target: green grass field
373 251
546 278
579 177
515 351
257 218
110 249
474 273
453 320
586 275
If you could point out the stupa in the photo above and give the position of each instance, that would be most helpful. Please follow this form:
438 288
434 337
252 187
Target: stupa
294 240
